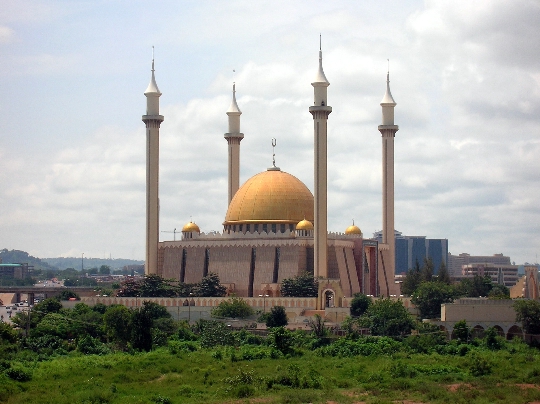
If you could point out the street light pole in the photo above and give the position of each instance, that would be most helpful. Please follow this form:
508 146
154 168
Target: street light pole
264 301
82 263
189 307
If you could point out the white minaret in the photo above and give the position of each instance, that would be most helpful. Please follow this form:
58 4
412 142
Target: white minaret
320 111
388 131
233 139
153 120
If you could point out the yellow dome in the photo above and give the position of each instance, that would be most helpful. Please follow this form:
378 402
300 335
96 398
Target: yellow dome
191 227
304 225
272 196
353 230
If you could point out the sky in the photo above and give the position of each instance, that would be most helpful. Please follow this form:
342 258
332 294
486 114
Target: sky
465 76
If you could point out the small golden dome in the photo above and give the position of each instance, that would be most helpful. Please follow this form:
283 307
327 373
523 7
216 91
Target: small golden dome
191 227
353 230
304 225
272 196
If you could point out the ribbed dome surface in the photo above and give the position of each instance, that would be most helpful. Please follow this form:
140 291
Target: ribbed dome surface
272 196
191 227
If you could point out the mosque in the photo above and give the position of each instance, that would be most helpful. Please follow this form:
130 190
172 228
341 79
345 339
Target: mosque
275 228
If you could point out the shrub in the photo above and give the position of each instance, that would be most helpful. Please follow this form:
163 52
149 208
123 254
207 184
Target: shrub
18 373
479 365
234 308
92 346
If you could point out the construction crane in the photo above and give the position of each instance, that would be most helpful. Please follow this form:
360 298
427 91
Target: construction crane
174 232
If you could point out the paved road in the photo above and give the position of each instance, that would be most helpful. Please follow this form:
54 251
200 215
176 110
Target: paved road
5 312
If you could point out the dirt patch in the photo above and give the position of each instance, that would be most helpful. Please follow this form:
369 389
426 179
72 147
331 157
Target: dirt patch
454 387
528 386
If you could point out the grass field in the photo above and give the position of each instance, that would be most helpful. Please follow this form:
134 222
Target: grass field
234 375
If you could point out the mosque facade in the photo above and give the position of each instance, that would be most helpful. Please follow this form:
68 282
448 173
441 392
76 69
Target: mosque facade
275 228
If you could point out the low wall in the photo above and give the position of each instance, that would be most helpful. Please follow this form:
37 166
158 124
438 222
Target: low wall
479 309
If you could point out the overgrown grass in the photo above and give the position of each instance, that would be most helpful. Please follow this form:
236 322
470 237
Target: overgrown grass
253 372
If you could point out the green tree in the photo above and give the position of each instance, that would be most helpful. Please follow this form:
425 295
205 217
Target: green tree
141 329
359 304
429 296
104 270
155 310
443 276
412 280
277 317
427 270
210 286
528 314
387 318
303 285
130 287
155 286
461 331
234 308
68 294
499 292
117 324
476 286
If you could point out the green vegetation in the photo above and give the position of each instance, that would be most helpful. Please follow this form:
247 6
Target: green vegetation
156 286
104 359
233 308
304 285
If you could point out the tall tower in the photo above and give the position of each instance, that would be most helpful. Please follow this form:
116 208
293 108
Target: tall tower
153 120
320 111
388 131
233 139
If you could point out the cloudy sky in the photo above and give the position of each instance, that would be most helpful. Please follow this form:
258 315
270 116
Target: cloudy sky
465 76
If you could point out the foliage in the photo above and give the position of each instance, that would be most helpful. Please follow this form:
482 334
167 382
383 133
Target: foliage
412 280
363 346
387 318
282 340
68 294
359 304
232 308
277 317
461 331
117 324
429 296
443 276
427 270
476 286
155 286
214 333
528 314
317 326
499 292
141 329
303 285
104 270
210 286
7 333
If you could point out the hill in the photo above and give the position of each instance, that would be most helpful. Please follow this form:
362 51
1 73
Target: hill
75 262
17 256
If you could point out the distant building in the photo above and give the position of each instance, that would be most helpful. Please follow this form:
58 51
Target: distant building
410 249
456 262
506 275
16 271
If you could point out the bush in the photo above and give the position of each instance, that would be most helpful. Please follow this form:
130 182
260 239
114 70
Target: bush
18 373
233 308
176 347
359 304
277 317
92 346
479 365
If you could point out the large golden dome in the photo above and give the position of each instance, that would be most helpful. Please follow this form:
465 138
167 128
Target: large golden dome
272 196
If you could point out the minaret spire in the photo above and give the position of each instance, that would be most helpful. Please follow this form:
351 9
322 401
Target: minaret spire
153 120
233 137
388 131
320 111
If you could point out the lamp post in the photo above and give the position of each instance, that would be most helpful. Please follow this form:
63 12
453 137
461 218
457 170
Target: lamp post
82 263
189 307
264 301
